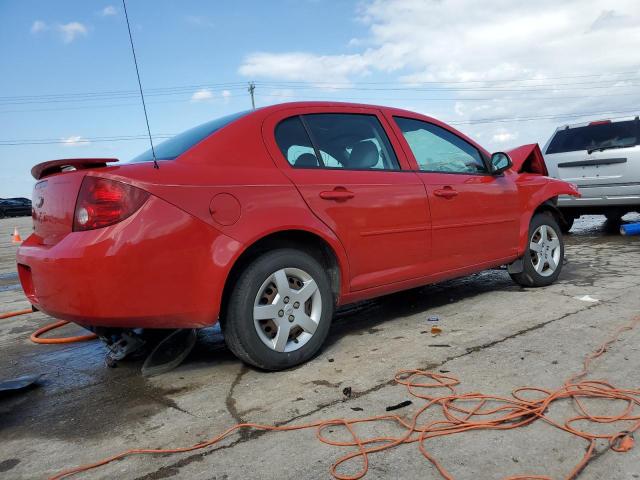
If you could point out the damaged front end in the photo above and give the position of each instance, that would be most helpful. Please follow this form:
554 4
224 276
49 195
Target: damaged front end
528 159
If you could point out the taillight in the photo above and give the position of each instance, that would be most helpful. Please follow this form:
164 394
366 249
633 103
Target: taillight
103 202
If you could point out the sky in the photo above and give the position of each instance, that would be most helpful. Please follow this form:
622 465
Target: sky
505 72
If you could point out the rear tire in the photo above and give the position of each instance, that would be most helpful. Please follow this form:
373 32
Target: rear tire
279 311
542 262
614 218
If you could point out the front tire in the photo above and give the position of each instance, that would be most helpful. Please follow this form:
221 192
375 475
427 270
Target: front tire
542 263
279 311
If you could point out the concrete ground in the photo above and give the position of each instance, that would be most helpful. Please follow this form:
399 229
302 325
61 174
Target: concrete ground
497 336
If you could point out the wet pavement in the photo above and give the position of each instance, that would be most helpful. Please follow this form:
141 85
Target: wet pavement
497 336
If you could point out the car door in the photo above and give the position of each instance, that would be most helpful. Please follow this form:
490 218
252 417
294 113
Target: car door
346 168
475 215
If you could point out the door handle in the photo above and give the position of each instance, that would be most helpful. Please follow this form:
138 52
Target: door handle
446 192
337 194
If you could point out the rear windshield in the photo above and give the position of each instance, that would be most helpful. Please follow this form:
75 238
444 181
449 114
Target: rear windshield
176 146
599 135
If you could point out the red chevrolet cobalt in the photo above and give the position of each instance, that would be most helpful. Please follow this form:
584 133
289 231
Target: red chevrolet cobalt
267 220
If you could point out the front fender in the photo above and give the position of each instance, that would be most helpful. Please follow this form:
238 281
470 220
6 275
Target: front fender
535 190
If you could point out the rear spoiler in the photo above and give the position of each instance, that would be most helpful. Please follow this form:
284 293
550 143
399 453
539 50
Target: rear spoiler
45 169
528 158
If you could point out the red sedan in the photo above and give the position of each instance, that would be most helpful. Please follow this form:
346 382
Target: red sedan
267 220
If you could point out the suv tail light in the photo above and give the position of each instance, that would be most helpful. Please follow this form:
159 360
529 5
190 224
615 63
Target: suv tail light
103 202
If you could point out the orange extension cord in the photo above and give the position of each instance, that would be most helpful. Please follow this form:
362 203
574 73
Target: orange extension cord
510 412
35 336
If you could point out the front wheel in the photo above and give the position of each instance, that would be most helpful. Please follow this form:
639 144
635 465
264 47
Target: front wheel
279 311
542 262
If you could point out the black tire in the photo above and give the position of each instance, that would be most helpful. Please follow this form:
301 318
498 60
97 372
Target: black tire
566 223
240 333
2 215
529 277
614 217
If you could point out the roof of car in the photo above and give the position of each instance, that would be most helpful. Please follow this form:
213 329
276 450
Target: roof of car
288 105
612 120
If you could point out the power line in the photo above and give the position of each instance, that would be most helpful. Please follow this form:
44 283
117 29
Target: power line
529 79
81 96
452 89
451 122
215 86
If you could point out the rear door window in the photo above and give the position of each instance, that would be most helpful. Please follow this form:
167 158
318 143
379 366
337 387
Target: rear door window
341 141
295 144
597 135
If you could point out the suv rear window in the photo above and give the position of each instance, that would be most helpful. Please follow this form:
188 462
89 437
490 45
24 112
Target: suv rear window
595 136
176 146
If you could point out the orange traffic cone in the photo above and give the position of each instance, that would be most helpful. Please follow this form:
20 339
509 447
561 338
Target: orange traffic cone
16 238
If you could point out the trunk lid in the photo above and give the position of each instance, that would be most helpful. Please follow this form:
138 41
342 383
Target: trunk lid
55 194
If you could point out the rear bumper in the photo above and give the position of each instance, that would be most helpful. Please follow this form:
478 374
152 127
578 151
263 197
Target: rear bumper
159 268
605 196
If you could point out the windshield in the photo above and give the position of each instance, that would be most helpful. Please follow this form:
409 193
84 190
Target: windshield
595 136
176 146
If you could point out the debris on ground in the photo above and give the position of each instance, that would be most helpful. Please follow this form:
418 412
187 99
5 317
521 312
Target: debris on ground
20 383
406 403
170 352
587 298
434 322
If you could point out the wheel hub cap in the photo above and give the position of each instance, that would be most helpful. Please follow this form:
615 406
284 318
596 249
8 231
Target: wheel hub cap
545 251
287 309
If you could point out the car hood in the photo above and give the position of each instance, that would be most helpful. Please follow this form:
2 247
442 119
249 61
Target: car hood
528 159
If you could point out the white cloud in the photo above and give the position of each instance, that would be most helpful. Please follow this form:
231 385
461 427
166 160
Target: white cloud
109 11
202 95
513 51
503 136
304 66
38 26
72 30
74 141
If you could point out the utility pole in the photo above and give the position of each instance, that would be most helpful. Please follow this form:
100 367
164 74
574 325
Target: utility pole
251 89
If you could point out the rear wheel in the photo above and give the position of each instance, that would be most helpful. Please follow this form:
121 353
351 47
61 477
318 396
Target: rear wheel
279 311
542 262
614 217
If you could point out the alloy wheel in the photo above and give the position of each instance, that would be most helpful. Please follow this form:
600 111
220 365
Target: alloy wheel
545 250
287 309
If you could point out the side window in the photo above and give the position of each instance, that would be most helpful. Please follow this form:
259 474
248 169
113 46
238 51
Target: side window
351 141
295 144
438 150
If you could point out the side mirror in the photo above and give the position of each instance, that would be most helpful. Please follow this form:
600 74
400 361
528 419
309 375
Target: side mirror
500 162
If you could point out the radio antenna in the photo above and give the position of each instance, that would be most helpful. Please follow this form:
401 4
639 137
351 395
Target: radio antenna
144 107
